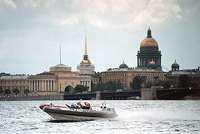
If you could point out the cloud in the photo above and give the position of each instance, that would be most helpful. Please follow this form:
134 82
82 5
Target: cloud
158 11
103 14
10 4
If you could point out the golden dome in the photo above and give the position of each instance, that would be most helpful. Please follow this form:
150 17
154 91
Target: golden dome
149 41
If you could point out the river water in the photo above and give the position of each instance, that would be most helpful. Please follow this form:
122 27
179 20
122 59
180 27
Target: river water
145 117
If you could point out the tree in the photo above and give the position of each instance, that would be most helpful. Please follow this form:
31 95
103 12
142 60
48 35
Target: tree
108 86
1 91
80 88
100 87
137 82
26 92
7 92
16 91
184 81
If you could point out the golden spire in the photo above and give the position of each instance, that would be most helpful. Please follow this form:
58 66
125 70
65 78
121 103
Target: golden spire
85 52
85 56
149 33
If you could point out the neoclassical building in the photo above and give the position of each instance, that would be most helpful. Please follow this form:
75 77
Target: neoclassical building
66 79
43 83
125 75
12 82
59 79
173 76
149 56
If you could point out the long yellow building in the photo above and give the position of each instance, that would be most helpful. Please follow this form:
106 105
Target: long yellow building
125 75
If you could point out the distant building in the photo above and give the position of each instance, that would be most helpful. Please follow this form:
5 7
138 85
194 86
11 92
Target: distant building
43 83
65 78
174 74
149 56
12 82
125 75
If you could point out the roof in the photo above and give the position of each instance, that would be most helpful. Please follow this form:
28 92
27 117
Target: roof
149 42
60 67
46 73
14 77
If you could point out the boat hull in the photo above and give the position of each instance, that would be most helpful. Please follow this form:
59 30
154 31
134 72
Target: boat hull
77 115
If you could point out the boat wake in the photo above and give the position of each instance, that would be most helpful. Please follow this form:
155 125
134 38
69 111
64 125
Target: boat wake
157 115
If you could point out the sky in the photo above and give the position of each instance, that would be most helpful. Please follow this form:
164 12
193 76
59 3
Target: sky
31 32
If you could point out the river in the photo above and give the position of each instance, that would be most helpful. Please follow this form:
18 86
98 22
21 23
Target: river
134 117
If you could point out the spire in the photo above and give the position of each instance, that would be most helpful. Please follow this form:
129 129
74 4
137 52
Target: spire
85 51
60 52
149 33
85 56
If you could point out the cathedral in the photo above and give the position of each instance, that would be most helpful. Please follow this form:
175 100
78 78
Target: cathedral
149 56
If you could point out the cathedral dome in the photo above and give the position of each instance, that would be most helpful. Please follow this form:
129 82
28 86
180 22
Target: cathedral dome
149 41
123 65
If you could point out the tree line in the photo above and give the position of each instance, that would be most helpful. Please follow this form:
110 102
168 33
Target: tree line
7 92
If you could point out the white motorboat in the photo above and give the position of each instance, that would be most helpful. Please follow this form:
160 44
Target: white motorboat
66 113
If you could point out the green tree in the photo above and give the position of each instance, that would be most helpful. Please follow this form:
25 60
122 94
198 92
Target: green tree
16 91
26 92
137 82
108 86
99 87
80 88
7 92
184 81
1 91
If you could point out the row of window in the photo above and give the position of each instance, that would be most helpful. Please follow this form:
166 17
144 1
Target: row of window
14 87
14 82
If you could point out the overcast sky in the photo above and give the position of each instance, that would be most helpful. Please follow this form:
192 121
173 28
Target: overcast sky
32 30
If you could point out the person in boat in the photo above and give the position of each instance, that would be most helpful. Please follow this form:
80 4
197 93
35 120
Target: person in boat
79 105
86 105
103 107
72 105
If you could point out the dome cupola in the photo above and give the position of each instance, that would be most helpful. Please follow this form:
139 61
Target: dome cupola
175 66
149 41
123 65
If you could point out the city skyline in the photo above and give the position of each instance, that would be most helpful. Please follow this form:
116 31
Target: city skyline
31 32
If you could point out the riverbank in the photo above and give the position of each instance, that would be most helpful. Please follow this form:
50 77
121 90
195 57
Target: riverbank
30 98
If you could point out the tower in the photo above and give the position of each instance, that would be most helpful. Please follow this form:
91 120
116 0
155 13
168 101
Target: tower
149 56
85 66
86 69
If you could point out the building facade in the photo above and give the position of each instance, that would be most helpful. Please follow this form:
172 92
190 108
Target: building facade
192 76
44 83
125 75
12 82
66 79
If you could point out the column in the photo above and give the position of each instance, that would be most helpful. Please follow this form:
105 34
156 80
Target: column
45 85
50 88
